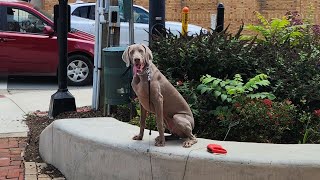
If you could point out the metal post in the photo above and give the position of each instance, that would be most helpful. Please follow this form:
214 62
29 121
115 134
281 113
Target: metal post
220 17
185 20
62 100
157 16
104 43
96 71
131 24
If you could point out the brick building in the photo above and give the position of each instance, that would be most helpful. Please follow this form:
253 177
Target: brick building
236 11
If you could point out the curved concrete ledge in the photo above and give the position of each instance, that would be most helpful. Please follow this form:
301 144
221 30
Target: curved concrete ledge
102 149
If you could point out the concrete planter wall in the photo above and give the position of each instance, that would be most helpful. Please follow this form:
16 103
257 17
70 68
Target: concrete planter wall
102 149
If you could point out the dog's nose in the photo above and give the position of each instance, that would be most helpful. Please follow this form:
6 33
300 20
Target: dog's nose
136 59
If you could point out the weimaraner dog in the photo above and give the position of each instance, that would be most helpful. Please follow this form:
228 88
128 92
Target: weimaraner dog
166 102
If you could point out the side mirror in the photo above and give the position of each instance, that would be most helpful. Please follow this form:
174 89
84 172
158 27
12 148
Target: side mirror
48 30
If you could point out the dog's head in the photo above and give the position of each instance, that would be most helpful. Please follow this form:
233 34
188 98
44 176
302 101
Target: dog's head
138 55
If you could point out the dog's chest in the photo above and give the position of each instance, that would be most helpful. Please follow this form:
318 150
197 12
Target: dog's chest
141 89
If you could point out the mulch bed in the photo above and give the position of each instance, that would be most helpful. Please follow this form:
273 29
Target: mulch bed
39 120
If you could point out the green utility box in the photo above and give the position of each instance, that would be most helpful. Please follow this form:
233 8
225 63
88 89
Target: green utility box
117 77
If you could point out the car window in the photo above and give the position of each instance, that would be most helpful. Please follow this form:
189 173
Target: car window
2 18
82 11
22 21
92 12
87 12
140 15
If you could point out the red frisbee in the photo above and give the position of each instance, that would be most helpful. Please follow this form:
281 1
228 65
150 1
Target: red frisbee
216 148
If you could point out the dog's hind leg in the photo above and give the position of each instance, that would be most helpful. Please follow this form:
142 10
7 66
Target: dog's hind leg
183 128
169 137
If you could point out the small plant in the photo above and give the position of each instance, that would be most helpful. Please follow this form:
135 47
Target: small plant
230 90
275 31
311 127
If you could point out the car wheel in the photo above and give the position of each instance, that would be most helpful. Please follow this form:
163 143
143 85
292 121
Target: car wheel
79 70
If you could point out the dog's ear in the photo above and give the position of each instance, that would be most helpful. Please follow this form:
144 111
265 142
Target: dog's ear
125 56
148 54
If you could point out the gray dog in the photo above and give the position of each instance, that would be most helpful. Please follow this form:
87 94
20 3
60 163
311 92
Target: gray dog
165 101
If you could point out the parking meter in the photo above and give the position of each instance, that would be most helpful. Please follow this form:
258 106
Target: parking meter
114 16
156 19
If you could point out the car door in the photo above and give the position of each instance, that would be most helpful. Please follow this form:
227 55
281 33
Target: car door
141 27
29 50
141 23
82 18
4 58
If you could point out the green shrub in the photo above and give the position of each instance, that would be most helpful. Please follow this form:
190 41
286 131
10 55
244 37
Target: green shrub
288 58
310 122
229 90
263 121
276 31
188 58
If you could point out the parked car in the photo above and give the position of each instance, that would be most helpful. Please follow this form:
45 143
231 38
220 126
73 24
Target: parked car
83 18
29 45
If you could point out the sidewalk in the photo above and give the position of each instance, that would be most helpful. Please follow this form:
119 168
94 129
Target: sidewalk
14 105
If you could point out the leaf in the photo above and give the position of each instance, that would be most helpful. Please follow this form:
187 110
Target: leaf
205 89
201 86
255 86
217 93
231 91
222 84
263 83
216 82
208 79
279 24
223 97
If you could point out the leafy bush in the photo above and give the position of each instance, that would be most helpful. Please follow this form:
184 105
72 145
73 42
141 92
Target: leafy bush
294 71
276 31
262 121
310 132
229 90
287 51
187 58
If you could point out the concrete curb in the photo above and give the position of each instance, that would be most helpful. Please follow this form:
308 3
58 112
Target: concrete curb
101 148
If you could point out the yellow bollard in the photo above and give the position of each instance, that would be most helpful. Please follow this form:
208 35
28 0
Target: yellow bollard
185 20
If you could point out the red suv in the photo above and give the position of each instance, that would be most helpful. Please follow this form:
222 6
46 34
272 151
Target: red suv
28 45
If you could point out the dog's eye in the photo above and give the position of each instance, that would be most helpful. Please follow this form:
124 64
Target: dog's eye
140 51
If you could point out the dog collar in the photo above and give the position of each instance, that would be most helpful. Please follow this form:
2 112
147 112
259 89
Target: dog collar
146 71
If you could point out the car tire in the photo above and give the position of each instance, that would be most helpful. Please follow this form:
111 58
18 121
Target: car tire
79 70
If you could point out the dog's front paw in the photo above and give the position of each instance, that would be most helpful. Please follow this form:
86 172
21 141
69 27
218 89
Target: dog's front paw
137 137
189 143
159 142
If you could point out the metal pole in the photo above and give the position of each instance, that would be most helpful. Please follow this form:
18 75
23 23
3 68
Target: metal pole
62 100
157 16
131 25
96 72
104 42
220 17
63 44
